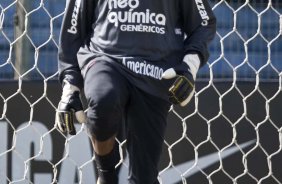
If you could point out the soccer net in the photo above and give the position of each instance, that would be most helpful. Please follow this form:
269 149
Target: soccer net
230 132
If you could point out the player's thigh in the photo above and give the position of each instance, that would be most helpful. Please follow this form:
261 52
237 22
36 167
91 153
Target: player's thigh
106 93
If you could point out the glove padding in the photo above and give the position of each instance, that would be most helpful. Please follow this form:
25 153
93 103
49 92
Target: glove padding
183 88
69 105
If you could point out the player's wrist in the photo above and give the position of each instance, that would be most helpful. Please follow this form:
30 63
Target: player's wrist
193 61
69 89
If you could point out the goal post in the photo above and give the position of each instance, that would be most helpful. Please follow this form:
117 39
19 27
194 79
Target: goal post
231 132
21 47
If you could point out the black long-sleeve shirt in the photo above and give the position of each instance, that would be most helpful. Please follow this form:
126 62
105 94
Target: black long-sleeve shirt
158 31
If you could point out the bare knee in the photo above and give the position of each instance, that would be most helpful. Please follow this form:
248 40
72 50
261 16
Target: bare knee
103 147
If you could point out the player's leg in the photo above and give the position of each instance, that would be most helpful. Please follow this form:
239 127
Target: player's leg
106 94
121 136
146 123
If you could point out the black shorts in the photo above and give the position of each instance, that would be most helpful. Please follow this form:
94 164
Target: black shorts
114 100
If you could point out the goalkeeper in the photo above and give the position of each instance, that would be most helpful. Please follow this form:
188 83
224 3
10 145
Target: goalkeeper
132 58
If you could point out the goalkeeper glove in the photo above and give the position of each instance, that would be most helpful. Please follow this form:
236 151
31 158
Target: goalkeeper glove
69 105
183 88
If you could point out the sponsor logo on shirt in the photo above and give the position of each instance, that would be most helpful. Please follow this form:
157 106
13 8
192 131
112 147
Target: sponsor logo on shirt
178 31
143 68
73 28
202 11
123 14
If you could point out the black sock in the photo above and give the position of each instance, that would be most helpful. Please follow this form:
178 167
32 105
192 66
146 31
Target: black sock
106 167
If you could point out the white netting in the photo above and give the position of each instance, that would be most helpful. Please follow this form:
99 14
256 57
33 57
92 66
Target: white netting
230 133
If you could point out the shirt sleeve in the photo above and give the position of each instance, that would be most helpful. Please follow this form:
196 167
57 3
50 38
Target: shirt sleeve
75 31
200 27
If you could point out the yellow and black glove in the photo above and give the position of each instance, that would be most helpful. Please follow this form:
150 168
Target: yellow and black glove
183 88
69 106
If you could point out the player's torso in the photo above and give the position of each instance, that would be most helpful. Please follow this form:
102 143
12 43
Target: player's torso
145 28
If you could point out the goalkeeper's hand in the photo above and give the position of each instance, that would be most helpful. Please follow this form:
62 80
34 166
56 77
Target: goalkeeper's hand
69 105
183 88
